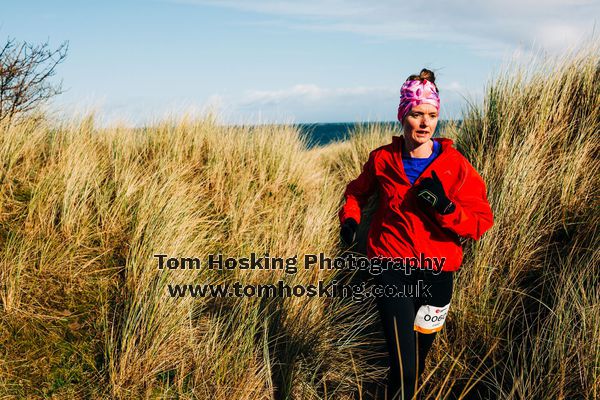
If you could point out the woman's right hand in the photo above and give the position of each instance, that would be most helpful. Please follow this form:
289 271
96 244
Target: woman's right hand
348 231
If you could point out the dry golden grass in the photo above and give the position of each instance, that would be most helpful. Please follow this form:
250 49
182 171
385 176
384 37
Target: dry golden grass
85 313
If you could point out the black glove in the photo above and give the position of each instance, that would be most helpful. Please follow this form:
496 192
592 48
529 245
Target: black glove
431 193
348 231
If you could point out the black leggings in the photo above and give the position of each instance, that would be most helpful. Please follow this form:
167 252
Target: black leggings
403 310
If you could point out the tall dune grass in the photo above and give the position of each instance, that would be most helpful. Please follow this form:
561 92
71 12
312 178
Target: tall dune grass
85 312
534 277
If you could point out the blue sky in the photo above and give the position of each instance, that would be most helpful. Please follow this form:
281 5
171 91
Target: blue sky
285 61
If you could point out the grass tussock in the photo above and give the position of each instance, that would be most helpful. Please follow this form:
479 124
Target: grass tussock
86 313
530 297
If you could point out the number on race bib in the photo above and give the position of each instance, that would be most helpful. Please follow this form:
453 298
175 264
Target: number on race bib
430 319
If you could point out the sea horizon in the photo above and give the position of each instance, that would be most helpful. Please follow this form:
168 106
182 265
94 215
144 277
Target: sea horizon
322 133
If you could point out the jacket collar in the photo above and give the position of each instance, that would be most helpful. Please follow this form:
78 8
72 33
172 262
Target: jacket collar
397 141
446 143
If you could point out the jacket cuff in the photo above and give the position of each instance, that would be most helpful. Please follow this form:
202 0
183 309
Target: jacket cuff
344 217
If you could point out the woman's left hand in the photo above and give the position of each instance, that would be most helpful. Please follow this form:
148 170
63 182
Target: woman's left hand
430 192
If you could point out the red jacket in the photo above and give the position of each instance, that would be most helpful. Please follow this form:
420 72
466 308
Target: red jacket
401 227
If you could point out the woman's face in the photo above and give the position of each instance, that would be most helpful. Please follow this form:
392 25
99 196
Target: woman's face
420 123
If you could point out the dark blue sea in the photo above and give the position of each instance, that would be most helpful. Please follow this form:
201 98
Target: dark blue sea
320 134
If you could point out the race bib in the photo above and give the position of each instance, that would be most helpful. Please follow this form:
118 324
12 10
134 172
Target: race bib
430 319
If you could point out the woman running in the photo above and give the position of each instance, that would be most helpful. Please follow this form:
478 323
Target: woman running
430 200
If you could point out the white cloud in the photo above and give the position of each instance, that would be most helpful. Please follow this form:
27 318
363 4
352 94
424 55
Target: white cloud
304 102
492 27
309 93
307 101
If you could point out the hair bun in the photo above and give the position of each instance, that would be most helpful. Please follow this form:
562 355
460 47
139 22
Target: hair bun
427 74
424 74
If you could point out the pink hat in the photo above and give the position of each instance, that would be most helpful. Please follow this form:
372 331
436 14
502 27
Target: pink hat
415 92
